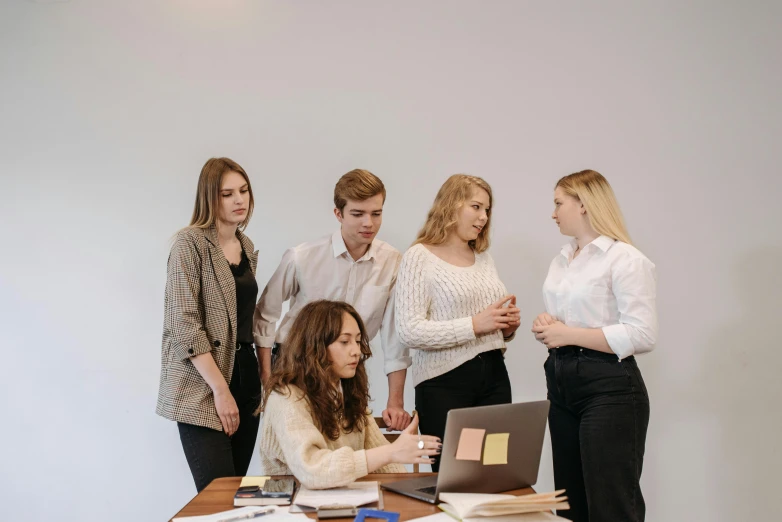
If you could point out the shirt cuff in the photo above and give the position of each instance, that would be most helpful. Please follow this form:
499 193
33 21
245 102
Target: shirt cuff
198 347
619 340
463 330
262 341
394 365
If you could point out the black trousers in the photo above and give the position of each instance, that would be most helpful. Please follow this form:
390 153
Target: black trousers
275 354
481 381
212 454
598 420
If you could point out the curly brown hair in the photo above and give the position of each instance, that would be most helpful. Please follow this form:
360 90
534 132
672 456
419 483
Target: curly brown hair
304 362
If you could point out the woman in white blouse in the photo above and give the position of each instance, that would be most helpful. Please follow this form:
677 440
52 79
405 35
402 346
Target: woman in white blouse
452 308
600 312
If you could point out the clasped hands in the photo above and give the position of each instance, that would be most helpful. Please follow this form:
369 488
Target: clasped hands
551 331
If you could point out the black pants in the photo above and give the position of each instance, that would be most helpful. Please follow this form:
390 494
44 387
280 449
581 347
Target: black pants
481 381
598 419
275 354
212 454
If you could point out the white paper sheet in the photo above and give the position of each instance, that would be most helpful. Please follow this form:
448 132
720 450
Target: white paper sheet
355 494
280 514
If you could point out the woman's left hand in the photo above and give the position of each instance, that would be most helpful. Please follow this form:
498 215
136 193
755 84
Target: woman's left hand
512 327
513 313
554 335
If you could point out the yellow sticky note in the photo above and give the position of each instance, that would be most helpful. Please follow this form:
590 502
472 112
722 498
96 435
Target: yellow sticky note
470 444
496 449
253 481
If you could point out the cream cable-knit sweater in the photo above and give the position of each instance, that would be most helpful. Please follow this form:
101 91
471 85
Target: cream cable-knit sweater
435 302
291 444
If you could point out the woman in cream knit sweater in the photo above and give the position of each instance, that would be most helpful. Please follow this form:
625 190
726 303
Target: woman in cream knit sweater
316 422
452 308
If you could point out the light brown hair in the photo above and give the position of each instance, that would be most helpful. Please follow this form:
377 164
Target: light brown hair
357 185
454 193
207 203
597 196
305 363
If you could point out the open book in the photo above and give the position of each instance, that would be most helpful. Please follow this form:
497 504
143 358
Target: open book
471 506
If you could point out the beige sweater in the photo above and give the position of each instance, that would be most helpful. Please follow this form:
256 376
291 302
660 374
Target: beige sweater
291 444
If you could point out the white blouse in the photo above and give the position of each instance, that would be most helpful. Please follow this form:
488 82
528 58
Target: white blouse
610 285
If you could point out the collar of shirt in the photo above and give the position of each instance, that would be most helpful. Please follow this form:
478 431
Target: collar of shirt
601 242
339 248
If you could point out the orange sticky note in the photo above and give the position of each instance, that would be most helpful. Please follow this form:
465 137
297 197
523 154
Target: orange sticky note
496 450
470 444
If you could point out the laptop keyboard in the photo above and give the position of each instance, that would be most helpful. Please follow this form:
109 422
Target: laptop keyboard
429 490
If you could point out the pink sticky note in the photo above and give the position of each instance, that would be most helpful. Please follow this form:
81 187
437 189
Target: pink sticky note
470 444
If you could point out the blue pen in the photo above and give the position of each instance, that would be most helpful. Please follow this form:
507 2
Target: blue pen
254 514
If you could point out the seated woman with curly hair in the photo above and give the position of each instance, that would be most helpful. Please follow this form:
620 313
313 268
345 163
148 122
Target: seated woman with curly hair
316 423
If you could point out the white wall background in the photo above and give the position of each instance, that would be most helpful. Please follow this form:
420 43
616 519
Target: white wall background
109 110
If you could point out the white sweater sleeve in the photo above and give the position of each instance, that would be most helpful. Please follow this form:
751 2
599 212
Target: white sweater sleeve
304 446
413 300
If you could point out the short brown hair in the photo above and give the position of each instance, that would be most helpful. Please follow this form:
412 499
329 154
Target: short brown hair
358 185
304 362
207 201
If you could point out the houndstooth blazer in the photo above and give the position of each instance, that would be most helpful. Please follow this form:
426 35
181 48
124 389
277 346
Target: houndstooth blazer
200 317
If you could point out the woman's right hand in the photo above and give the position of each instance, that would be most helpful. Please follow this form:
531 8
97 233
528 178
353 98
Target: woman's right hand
227 410
495 316
404 450
544 319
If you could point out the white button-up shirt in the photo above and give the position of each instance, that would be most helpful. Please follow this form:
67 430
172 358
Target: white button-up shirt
324 269
610 285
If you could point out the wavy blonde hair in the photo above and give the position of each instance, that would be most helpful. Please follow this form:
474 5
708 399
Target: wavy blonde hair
597 196
442 216
207 203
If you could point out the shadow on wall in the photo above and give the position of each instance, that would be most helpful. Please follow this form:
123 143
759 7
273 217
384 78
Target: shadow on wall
740 384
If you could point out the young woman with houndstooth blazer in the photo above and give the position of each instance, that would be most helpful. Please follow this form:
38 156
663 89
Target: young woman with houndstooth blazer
209 381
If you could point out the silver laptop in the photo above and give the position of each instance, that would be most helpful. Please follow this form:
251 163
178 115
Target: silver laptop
525 422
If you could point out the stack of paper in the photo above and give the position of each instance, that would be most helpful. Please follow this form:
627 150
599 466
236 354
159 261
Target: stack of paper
280 514
352 495
542 516
468 506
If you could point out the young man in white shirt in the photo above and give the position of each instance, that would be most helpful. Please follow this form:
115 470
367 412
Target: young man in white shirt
350 265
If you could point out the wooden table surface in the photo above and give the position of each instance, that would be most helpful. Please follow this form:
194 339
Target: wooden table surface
219 495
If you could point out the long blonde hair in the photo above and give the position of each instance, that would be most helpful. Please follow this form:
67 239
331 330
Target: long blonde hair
597 196
442 216
207 201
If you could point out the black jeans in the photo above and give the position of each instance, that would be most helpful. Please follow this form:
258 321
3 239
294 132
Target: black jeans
598 420
212 454
481 381
275 354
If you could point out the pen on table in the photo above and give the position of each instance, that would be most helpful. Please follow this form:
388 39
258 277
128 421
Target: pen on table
246 516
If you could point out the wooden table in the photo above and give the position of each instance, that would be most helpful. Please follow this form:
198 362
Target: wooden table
219 495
